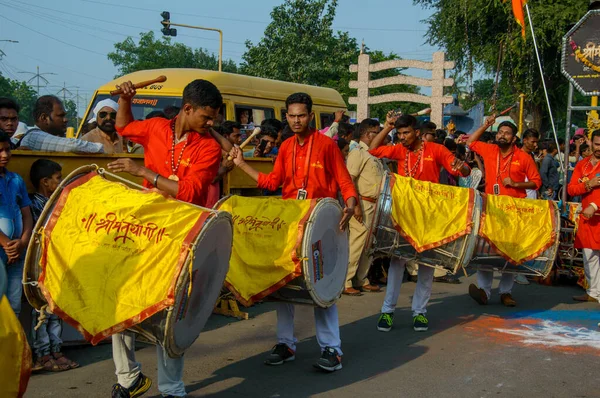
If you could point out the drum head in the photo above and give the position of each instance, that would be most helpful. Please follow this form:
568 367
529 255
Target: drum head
209 268
326 249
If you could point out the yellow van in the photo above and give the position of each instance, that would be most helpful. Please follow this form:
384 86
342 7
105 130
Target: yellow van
250 97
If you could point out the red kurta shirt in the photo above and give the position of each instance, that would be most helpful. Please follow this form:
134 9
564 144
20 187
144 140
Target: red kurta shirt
433 158
521 166
317 166
588 230
199 163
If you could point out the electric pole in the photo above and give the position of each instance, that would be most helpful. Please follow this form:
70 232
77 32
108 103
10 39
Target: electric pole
64 92
38 76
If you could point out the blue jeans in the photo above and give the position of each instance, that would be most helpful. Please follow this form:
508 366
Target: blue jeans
14 274
46 339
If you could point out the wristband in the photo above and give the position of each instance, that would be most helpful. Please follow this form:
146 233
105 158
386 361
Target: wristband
595 206
156 180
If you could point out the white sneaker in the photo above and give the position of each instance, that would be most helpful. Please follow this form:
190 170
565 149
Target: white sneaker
521 279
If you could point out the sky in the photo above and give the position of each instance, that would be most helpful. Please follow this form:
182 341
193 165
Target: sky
69 39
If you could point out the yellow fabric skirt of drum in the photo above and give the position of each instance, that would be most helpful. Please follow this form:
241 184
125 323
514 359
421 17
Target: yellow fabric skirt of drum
518 229
15 366
267 233
112 255
429 215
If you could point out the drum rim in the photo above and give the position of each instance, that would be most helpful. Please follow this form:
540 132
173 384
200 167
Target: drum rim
306 255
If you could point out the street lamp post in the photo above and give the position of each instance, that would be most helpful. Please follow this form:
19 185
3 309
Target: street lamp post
167 31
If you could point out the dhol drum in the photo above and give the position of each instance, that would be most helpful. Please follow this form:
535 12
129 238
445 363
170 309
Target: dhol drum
487 258
322 251
568 254
385 241
205 264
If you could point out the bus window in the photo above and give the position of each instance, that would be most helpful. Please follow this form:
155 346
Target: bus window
326 119
250 116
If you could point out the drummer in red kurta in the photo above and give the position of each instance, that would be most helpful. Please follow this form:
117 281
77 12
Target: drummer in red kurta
309 165
422 161
586 182
181 158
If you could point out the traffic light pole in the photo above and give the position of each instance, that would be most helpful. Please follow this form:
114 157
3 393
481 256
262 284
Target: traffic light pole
211 29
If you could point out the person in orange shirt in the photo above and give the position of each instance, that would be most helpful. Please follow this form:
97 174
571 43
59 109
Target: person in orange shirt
421 160
181 159
309 165
508 171
586 182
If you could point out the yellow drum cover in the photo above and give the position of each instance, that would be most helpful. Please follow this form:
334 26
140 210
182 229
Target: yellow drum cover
15 366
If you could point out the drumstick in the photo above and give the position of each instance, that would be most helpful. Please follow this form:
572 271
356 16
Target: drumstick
508 109
254 134
425 111
159 79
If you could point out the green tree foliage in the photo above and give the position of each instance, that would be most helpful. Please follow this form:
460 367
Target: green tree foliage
300 46
472 31
151 53
23 94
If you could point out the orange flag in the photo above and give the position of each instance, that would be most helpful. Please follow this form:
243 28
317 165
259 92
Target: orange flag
517 6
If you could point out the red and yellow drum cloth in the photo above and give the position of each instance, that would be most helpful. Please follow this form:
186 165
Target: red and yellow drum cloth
267 236
15 366
112 255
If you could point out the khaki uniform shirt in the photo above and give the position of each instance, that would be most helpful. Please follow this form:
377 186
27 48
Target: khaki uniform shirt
100 137
366 170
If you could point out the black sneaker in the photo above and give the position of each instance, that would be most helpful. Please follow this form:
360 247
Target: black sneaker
386 320
141 385
330 360
420 323
281 353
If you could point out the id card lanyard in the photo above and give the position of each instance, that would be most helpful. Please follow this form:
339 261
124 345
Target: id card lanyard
498 172
302 193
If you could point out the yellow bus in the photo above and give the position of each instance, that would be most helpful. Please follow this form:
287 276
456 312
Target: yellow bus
255 97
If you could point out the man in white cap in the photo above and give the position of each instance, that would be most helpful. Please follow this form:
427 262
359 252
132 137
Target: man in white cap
105 113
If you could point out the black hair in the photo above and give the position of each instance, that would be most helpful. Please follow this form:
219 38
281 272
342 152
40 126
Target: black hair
531 133
271 127
582 148
551 147
8 103
4 136
509 124
345 129
45 105
171 111
428 128
405 121
228 126
342 143
487 136
596 133
42 168
154 114
299 98
461 151
366 125
458 133
202 93
561 141
450 144
440 136
287 132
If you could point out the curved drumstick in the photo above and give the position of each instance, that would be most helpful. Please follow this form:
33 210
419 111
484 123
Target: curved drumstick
159 79
425 111
254 134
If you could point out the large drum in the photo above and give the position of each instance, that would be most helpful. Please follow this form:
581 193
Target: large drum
317 256
192 293
486 258
385 241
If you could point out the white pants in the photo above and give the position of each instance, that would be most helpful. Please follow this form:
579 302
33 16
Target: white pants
170 370
326 323
422 291
591 265
485 279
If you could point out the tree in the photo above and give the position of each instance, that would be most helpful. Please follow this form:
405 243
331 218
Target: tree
150 53
300 46
473 31
23 94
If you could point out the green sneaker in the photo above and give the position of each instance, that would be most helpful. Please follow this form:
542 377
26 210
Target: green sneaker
420 323
386 320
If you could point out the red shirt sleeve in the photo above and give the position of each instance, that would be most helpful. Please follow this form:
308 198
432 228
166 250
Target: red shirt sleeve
275 178
139 131
445 158
340 172
482 148
388 151
576 188
193 187
532 172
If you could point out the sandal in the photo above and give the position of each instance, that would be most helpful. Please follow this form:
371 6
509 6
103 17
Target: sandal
61 359
37 365
50 365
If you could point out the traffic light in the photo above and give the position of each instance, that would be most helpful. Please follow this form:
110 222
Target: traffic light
166 23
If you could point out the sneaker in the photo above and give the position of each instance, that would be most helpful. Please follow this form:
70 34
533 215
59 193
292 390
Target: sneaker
281 353
141 385
521 279
420 323
330 360
386 320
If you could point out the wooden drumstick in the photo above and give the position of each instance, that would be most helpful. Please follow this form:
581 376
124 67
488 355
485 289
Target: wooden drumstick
422 112
159 79
254 134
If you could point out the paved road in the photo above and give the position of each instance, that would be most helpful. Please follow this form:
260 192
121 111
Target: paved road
548 346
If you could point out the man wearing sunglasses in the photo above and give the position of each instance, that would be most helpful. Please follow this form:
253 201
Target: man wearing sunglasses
105 113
